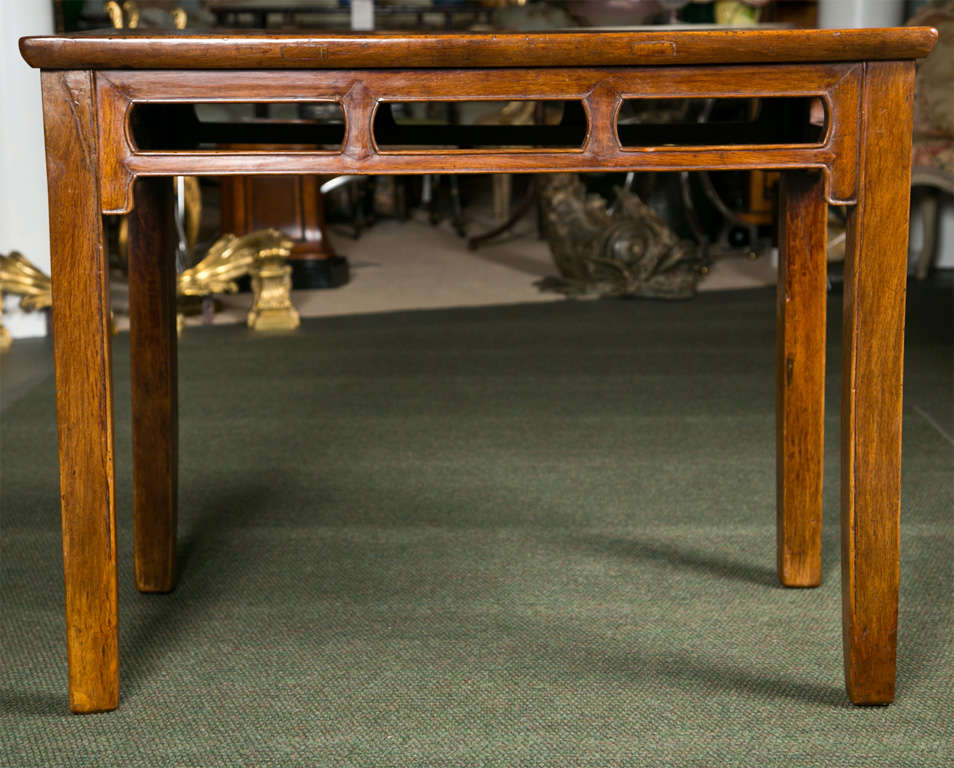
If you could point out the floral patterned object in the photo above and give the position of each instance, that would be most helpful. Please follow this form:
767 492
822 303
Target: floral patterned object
934 106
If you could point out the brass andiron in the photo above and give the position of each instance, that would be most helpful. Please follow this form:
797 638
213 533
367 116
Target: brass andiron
19 277
262 255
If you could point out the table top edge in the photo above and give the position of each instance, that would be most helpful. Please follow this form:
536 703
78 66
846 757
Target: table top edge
666 47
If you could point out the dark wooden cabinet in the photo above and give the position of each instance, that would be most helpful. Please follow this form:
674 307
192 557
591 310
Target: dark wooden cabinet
294 205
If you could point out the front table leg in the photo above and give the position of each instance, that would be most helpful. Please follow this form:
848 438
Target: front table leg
875 275
84 396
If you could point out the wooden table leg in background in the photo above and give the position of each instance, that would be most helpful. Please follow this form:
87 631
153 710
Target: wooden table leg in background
84 396
800 377
152 326
875 275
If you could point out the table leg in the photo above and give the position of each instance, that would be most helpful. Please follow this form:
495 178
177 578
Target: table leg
800 377
152 326
875 275
84 396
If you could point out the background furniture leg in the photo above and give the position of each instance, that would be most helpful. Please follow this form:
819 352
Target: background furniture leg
800 377
152 327
875 275
529 200
84 396
928 211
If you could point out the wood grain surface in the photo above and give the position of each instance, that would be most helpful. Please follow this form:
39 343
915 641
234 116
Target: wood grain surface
462 50
84 393
152 328
361 93
864 79
800 377
875 275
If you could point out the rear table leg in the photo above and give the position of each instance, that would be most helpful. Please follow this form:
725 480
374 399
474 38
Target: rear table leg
152 326
800 377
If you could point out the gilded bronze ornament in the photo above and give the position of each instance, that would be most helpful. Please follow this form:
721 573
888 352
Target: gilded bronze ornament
623 249
179 18
21 278
132 14
262 255
115 13
122 16
18 276
228 259
272 309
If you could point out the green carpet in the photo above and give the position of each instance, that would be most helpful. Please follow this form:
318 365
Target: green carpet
537 535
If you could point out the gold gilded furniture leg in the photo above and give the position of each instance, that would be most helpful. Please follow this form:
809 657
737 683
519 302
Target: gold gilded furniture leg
800 377
152 327
875 274
84 396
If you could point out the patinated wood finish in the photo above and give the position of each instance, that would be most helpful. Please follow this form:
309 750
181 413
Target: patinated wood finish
864 79
800 377
84 390
875 272
155 423
460 51
360 94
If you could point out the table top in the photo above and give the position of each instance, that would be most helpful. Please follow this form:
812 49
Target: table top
669 47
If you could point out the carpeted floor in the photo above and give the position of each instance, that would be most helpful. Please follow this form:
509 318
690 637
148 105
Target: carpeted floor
534 535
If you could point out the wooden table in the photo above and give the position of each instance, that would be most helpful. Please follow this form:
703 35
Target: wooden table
118 125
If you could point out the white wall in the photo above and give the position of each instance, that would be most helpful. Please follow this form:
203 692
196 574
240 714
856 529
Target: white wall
24 224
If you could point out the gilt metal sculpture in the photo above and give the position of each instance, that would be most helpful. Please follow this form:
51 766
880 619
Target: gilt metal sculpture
131 10
619 250
115 13
21 278
227 260
18 276
122 15
272 308
262 255
179 18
